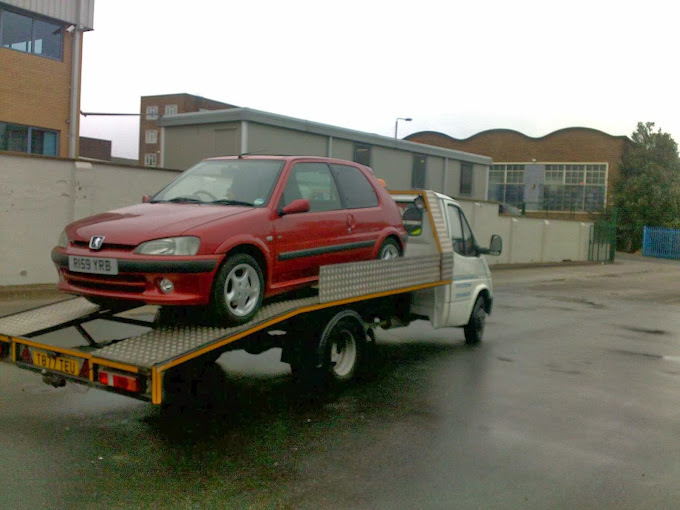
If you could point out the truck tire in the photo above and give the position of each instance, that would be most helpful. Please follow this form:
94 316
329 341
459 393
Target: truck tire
474 329
342 347
238 290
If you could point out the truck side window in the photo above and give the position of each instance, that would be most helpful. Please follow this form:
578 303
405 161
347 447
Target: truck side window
455 229
468 237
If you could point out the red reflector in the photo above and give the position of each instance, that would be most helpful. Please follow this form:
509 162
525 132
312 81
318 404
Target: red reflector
85 370
120 381
26 355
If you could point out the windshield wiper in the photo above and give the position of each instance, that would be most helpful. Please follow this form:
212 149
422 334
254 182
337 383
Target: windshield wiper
226 201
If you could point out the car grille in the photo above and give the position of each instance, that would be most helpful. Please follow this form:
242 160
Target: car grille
133 284
105 246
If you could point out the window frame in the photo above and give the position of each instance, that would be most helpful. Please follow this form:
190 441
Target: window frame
150 115
151 140
168 109
337 169
357 147
34 18
30 136
148 157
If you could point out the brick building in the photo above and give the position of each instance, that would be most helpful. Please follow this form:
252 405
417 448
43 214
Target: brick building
154 107
569 170
40 56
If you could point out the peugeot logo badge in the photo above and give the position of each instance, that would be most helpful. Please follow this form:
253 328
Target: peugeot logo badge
96 242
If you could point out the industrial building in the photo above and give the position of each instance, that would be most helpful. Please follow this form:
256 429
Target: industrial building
567 171
188 138
40 59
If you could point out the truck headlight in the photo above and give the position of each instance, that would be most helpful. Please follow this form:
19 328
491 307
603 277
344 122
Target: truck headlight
63 240
181 246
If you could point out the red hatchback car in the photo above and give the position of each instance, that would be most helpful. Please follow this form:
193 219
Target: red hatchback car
231 231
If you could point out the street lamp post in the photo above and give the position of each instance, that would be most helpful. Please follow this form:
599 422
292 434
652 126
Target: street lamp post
396 123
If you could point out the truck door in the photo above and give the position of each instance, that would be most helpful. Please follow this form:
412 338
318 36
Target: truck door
469 269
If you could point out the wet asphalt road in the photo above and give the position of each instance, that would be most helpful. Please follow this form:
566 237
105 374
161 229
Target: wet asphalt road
572 401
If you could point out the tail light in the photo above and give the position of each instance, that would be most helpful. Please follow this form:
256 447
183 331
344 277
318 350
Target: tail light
118 380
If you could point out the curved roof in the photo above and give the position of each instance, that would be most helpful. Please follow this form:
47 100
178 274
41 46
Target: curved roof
514 132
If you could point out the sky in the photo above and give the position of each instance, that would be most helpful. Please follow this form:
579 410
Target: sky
458 67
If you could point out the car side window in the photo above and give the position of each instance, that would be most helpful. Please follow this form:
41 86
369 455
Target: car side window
355 190
455 229
314 182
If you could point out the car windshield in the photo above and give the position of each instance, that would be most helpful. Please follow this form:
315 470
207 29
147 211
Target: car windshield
224 182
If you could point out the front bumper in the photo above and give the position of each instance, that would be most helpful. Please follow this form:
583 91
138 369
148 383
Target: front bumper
138 278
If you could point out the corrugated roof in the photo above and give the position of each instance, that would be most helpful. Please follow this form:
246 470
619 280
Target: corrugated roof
61 10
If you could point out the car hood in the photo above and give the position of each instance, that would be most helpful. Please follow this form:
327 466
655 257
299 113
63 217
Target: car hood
138 223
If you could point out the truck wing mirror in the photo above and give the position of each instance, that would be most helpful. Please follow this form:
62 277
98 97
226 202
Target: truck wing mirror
495 246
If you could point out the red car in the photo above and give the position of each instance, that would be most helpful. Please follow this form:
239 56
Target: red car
231 231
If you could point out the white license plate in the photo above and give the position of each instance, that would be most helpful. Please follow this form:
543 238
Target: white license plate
93 265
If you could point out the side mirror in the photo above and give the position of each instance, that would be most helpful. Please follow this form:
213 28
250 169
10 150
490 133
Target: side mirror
146 198
299 205
495 246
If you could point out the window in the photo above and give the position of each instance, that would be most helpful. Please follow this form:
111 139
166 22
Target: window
25 33
314 182
419 171
506 184
170 109
28 139
151 112
575 187
151 136
362 154
150 159
461 234
465 178
355 189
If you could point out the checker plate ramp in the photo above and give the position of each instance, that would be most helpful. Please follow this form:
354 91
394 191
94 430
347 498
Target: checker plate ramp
47 316
168 342
355 279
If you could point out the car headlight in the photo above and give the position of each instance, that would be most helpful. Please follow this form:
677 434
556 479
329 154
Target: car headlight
63 240
170 246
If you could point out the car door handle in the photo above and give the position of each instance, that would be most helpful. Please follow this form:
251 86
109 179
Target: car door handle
350 222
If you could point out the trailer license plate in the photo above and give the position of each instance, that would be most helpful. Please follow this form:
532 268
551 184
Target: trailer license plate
94 265
57 363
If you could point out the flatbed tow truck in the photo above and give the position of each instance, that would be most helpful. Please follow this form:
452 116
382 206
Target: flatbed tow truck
322 332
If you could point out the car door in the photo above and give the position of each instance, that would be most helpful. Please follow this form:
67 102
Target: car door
306 241
468 266
364 219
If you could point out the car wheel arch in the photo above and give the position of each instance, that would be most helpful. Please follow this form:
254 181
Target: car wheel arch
255 252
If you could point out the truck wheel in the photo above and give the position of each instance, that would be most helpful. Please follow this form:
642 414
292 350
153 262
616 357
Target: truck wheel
238 290
389 249
343 346
474 329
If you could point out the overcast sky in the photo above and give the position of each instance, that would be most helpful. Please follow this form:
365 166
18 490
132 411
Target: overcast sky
459 67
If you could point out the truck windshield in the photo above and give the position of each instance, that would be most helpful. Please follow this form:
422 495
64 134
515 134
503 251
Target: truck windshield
224 182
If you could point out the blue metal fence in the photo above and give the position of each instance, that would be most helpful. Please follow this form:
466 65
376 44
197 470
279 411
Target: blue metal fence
661 242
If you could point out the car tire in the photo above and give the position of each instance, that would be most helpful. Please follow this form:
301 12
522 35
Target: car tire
238 290
474 329
389 249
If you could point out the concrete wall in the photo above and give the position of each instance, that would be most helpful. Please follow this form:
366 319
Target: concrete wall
272 140
40 196
527 240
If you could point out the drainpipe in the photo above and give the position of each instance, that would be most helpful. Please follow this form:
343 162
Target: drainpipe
74 118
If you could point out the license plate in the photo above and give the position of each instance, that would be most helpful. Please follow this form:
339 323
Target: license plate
54 362
93 265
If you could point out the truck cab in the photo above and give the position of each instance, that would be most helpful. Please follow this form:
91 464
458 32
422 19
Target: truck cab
467 300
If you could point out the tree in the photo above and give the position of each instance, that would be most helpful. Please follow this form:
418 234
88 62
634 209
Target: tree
647 190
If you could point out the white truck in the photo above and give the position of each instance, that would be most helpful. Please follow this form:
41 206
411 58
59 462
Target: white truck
323 333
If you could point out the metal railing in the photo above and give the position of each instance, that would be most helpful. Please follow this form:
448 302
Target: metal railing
661 243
